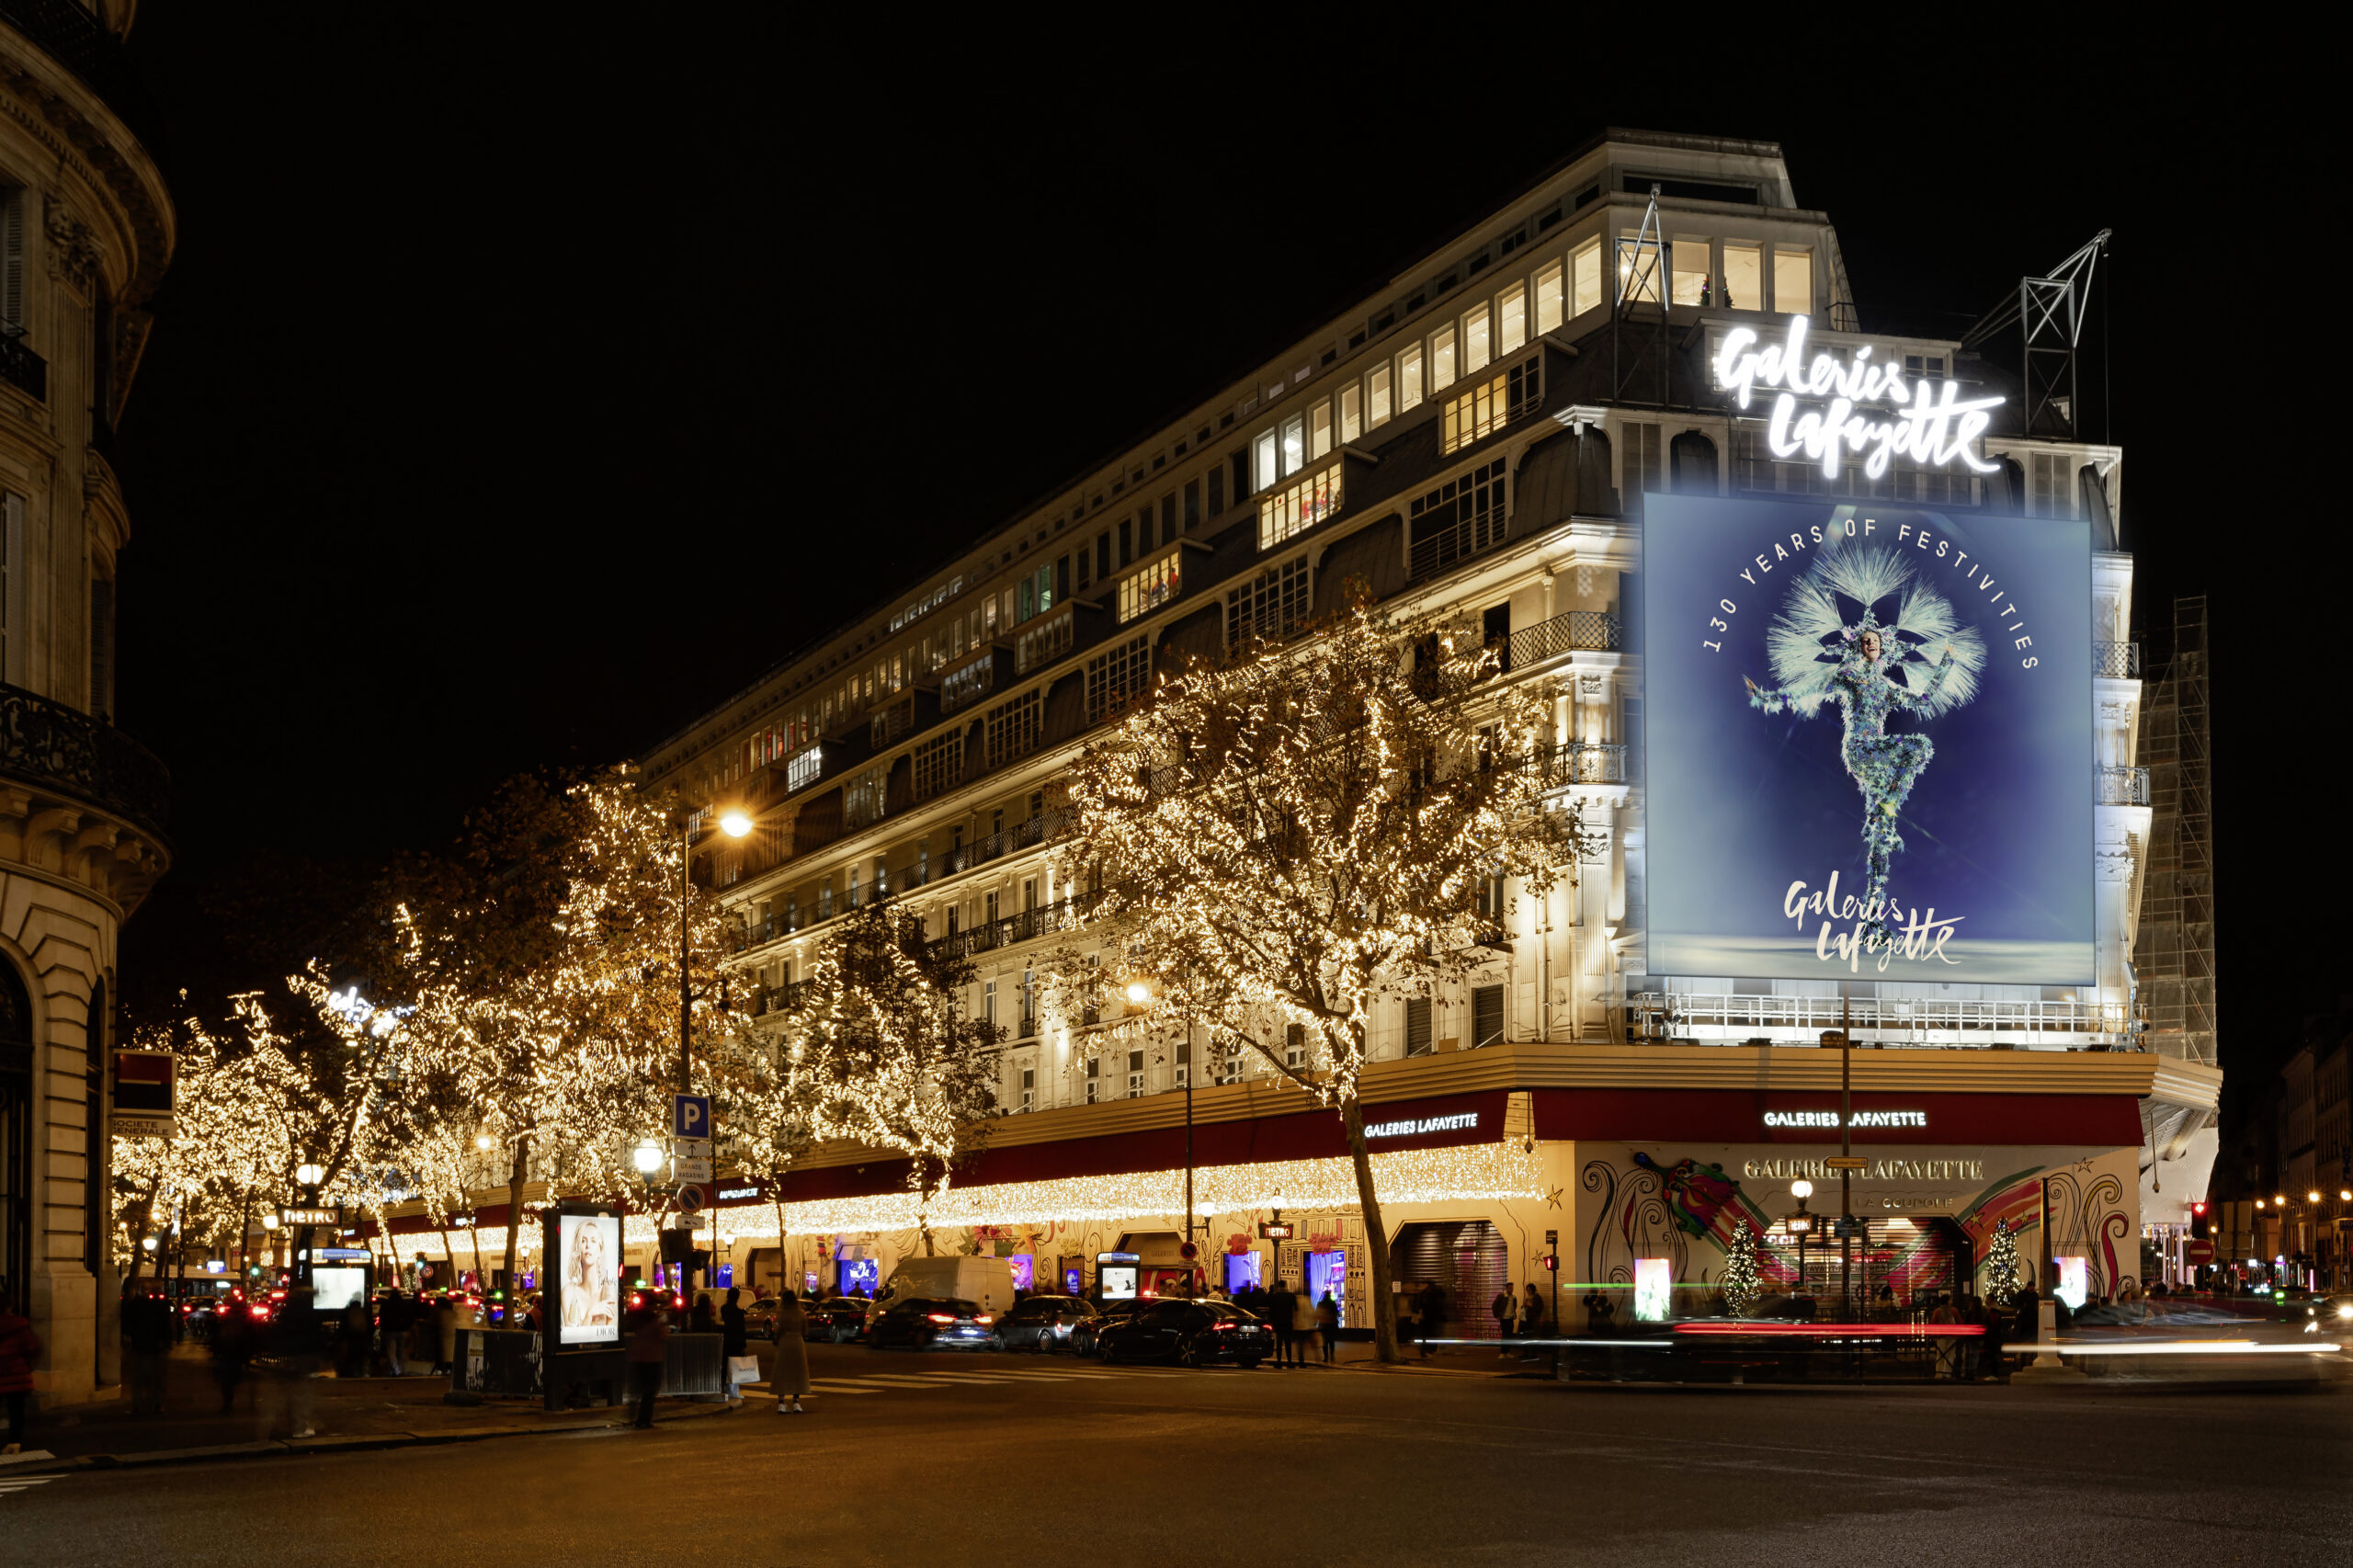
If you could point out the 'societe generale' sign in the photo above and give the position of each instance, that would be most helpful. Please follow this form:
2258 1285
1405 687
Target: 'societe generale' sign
1927 421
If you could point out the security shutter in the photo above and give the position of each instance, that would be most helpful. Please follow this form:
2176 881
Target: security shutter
12 261
1418 1026
1486 1015
13 648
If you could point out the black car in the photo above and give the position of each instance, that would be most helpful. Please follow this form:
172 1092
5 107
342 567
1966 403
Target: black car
1043 1322
931 1323
839 1319
1085 1334
1191 1333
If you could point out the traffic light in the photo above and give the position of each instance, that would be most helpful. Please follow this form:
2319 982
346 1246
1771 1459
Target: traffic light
1552 1263
2200 1224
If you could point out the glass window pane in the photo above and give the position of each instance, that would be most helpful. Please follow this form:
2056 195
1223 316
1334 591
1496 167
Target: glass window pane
1380 395
1511 320
1266 472
1409 377
1744 287
1352 421
1793 282
1320 430
1294 444
1690 278
1588 277
1548 297
1638 266
1476 329
1441 358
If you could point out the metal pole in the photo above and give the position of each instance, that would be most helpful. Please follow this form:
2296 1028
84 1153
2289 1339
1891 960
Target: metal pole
686 1010
1845 1148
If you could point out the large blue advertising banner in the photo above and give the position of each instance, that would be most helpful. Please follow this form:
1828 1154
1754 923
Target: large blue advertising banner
1868 743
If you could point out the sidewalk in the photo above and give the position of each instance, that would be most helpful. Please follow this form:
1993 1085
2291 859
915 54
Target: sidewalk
347 1412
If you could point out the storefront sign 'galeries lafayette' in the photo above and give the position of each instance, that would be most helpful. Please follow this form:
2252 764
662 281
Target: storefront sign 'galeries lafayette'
1891 1169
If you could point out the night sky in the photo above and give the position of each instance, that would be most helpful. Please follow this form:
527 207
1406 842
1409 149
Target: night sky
514 396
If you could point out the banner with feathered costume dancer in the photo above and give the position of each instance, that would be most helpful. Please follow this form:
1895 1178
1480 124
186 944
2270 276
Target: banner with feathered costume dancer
1868 743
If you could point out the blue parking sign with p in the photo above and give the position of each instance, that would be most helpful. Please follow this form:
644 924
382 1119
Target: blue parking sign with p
693 1118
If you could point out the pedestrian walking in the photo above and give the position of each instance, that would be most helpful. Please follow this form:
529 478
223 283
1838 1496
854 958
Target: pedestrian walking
734 1344
359 1332
393 1316
19 1348
1305 1323
1282 1317
147 1328
300 1336
789 1379
703 1320
1503 1309
1948 1346
232 1328
649 1350
1430 1312
1531 1313
445 1327
1327 1325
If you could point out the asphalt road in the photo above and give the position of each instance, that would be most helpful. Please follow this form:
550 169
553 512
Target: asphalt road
914 1460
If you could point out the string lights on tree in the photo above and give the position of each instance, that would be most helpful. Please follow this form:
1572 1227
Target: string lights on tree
1287 840
2002 1265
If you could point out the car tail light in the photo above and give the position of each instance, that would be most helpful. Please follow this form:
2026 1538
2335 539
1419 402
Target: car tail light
985 1318
942 1317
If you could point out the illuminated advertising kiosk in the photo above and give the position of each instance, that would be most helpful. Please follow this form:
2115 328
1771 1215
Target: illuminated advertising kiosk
581 1302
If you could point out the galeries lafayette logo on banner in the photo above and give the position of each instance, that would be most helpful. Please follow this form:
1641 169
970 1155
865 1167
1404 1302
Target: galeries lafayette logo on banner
1408 1128
1859 1118
1930 423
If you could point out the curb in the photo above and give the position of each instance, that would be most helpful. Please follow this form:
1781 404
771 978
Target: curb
355 1443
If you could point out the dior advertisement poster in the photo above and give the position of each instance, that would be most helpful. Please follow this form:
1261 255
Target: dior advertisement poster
1868 746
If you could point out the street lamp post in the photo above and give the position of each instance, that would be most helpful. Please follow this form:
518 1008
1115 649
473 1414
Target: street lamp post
1801 1225
310 1175
736 824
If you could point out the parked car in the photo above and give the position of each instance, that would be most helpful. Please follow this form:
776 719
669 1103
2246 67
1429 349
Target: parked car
759 1319
1084 1333
931 1323
1191 1333
1043 1324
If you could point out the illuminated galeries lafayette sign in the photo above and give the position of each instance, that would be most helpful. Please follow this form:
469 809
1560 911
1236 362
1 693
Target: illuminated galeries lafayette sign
1862 405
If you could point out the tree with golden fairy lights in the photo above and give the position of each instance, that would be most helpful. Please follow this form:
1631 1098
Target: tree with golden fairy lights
1283 842
888 1054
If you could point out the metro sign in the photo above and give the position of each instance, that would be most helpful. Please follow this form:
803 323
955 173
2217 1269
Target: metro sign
1930 423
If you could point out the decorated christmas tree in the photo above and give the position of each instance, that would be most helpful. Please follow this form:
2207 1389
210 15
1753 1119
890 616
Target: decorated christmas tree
2002 1265
1740 1283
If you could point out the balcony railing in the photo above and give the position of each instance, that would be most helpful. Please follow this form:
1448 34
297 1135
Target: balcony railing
54 747
1588 762
1586 629
21 368
1053 823
2123 786
1047 920
1735 1019
68 34
2118 661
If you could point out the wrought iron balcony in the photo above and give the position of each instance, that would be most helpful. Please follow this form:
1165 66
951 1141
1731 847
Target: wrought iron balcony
21 368
52 747
67 33
1588 762
1588 630
2119 661
2123 786
1045 921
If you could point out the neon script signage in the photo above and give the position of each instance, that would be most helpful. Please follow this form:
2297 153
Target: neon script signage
1929 422
1426 1124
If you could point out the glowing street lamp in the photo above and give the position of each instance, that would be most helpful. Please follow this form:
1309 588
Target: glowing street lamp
646 1157
734 824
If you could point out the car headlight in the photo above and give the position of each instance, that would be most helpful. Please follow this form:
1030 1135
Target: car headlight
2345 1310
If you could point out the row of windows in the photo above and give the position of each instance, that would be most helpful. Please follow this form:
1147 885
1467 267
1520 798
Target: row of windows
1457 519
939 764
1727 275
1115 678
1299 507
1012 728
1490 405
1146 590
1041 645
1271 605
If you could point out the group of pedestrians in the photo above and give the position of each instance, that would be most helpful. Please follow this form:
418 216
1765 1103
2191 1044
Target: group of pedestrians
1302 1322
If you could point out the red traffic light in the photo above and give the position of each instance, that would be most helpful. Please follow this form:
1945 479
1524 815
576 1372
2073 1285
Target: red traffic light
1552 1263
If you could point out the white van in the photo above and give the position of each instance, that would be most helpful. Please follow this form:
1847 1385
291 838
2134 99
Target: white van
987 1282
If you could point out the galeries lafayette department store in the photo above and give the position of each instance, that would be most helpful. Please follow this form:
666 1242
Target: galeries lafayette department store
1605 1155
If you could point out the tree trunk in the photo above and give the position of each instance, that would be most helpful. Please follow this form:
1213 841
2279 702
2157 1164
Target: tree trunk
784 1281
146 1212
1376 1235
516 1174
